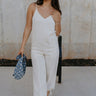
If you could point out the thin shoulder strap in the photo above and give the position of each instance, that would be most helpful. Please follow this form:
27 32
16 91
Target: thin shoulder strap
36 6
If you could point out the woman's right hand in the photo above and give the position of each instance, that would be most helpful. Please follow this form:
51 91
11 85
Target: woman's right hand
21 51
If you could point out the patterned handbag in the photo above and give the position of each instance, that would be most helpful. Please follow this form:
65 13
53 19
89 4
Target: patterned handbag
20 68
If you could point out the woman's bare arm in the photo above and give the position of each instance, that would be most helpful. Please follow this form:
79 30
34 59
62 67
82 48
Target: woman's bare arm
28 26
58 23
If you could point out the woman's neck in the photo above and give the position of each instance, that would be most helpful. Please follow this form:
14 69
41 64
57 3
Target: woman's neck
47 3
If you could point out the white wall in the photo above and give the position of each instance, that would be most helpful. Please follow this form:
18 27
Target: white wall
78 28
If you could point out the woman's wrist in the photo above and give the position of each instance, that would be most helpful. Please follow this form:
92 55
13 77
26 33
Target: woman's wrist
22 48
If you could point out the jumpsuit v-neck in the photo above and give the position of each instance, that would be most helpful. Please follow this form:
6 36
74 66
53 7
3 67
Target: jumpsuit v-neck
44 54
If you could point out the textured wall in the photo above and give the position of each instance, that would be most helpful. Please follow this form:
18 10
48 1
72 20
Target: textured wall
78 28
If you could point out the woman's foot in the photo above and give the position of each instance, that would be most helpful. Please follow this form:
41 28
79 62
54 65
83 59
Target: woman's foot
48 93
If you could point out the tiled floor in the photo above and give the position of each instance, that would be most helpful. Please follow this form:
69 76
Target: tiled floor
76 81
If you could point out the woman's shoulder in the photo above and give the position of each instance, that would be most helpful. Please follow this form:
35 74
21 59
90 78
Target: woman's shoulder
32 5
56 14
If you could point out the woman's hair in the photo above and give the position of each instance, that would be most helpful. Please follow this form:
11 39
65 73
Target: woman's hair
54 3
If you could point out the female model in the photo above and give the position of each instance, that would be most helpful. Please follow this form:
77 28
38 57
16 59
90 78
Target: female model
44 19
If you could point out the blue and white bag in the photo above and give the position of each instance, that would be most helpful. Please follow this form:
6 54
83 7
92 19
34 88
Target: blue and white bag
20 68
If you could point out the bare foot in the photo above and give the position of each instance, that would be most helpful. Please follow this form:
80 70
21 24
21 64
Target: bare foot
48 93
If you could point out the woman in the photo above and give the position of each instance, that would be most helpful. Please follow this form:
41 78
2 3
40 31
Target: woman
44 19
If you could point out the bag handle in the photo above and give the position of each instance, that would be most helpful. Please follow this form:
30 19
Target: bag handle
19 56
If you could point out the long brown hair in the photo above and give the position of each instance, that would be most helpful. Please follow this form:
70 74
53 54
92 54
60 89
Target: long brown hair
54 4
